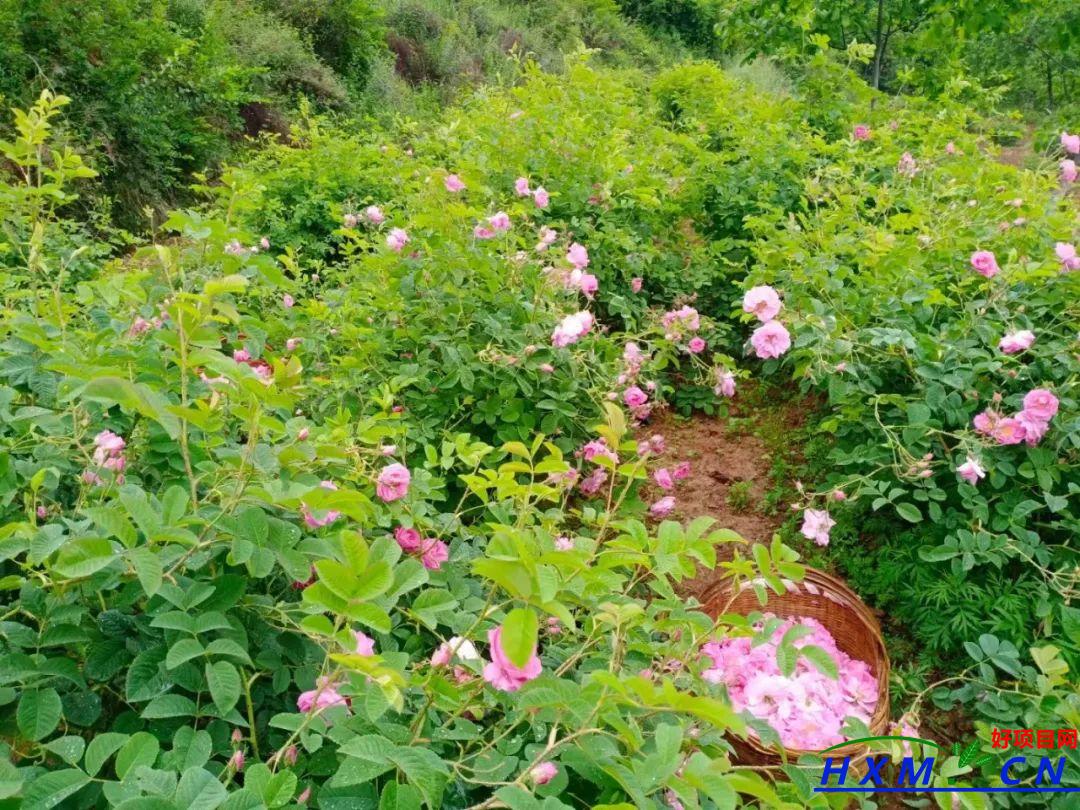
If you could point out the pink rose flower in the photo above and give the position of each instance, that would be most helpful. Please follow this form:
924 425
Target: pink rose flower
435 553
543 772
696 345
1008 431
393 482
521 187
483 232
1069 171
541 197
971 471
1034 428
816 526
761 301
1040 404
365 645
500 221
985 263
324 695
634 397
663 478
682 470
770 340
578 256
950 148
503 674
663 507
1016 342
374 215
861 132
1066 254
1070 143
572 328
292 343
408 538
287 301
547 237
453 183
564 543
725 384
397 239
598 448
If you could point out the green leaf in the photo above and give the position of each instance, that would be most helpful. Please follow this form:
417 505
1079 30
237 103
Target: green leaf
182 651
224 683
11 781
70 748
908 512
820 659
518 636
81 558
199 789
424 769
38 713
48 790
141 749
166 706
101 748
148 569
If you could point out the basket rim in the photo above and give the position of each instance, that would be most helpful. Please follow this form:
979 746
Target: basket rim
826 582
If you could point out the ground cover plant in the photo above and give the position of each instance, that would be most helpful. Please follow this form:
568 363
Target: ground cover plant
351 482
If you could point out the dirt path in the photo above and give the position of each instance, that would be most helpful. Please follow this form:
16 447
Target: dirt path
741 465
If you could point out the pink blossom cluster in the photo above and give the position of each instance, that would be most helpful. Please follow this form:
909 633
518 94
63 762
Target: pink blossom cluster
502 673
393 482
906 166
539 194
431 551
262 368
108 455
497 223
771 339
725 383
680 322
1028 425
572 328
807 709
323 696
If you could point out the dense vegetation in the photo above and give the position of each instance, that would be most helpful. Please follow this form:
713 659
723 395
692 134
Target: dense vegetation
322 452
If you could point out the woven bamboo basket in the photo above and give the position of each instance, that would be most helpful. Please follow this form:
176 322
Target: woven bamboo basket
853 626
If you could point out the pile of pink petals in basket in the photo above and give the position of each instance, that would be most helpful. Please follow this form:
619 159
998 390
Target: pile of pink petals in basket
808 708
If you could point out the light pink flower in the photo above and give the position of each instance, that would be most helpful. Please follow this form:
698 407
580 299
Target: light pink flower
686 317
696 345
1066 254
349 220
499 221
453 183
543 772
663 507
634 397
139 326
598 448
663 478
287 301
302 434
521 187
950 148
635 284
397 239
324 695
839 495
236 761
408 538
770 340
564 543
1070 143
313 521
861 132
985 263
1034 428
1069 171
682 470
591 484
725 384
393 482
109 443
578 256
1040 404
365 645
907 165
1016 342
503 674
986 421
971 471
547 237
483 232
292 343
435 553
572 328
374 215
816 526
1008 431
541 198
586 282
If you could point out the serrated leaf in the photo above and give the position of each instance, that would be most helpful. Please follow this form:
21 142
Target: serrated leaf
38 713
224 683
